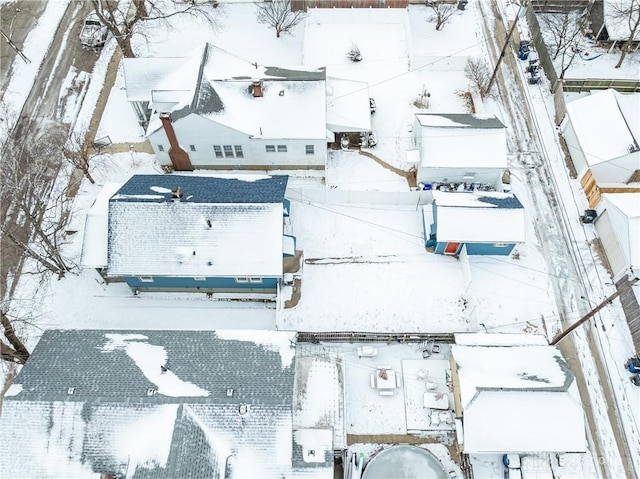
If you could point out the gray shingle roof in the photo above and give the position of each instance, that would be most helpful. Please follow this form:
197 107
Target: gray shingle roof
462 120
111 426
82 359
203 189
510 202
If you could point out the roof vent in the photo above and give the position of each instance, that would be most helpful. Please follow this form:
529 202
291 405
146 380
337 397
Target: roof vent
71 391
230 392
151 391
209 224
281 93
177 194
243 409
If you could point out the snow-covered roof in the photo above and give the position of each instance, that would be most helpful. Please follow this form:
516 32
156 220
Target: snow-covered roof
220 227
96 227
216 85
461 140
499 339
347 105
508 390
479 217
143 75
603 123
617 21
628 224
187 426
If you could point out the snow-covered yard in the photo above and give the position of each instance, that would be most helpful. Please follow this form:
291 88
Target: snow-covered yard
366 268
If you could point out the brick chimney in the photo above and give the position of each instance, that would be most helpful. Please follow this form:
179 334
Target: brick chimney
179 157
256 88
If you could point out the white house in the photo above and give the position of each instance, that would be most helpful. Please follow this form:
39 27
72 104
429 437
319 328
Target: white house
618 226
516 398
454 148
214 110
602 132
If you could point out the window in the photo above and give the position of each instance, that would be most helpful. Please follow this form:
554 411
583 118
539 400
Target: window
228 151
309 149
192 147
282 148
160 148
270 148
199 278
145 279
238 149
500 245
218 150
244 280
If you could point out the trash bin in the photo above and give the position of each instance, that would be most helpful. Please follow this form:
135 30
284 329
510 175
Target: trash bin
462 4
523 50
589 216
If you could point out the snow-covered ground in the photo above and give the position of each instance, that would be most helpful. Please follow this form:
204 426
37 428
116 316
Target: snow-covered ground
366 268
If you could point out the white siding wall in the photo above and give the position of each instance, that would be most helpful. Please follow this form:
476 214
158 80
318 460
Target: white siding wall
203 134
578 158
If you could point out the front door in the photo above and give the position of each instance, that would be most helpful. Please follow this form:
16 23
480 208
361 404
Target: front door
451 248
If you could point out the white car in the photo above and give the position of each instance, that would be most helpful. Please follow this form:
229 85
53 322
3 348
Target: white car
94 33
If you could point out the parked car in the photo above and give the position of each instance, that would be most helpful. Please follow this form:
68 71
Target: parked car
94 33
372 105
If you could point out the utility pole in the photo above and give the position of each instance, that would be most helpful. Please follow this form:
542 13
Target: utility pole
504 47
592 313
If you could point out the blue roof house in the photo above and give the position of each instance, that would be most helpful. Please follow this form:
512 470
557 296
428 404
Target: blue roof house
199 233
159 405
484 222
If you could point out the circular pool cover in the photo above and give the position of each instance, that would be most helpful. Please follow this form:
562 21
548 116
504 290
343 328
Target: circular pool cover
404 462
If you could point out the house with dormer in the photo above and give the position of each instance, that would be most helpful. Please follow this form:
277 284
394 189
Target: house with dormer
210 234
215 110
159 404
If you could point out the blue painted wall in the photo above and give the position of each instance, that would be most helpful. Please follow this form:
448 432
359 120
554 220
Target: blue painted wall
222 285
478 249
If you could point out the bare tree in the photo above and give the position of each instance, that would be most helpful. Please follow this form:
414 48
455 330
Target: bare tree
627 13
80 153
9 37
442 12
477 72
124 19
36 210
14 351
278 15
565 30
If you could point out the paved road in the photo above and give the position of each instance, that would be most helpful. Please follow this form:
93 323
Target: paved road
43 107
595 392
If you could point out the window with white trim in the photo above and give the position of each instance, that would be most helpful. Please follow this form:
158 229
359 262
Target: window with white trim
270 148
228 151
282 148
238 150
309 150
217 149
241 280
500 245
255 280
199 278
145 279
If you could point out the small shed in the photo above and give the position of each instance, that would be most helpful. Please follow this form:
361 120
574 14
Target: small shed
458 148
485 223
